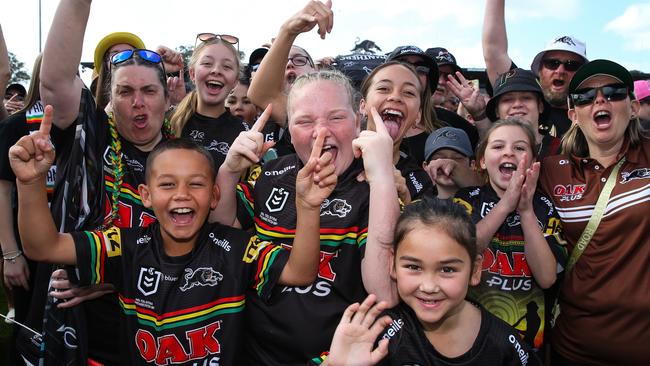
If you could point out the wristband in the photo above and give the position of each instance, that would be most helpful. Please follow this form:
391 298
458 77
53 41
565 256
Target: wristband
11 256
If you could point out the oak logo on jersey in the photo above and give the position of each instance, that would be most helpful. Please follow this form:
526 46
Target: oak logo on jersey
204 276
148 280
336 207
166 349
221 147
569 192
277 199
635 174
114 242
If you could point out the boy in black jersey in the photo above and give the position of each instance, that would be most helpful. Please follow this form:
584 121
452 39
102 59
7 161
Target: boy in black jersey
436 259
181 281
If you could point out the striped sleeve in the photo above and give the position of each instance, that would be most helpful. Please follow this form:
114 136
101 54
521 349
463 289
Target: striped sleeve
245 204
266 262
98 256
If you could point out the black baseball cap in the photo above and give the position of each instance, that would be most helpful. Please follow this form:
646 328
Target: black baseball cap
443 57
257 54
448 138
402 51
17 87
601 67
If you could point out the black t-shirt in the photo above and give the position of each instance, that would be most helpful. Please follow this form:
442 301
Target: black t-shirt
452 119
298 323
496 343
215 134
414 146
417 180
558 121
186 309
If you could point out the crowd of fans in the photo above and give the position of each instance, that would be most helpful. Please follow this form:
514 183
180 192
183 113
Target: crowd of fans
359 210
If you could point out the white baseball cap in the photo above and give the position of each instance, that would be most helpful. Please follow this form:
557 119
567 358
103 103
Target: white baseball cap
563 43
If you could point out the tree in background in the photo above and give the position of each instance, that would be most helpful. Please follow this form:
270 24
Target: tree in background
18 73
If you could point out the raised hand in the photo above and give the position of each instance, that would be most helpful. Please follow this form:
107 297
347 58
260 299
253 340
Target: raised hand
249 147
317 179
172 60
512 195
13 105
376 148
32 156
468 95
314 13
356 334
528 188
176 87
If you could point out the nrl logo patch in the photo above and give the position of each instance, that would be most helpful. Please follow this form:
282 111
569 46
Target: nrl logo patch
148 281
277 199
203 276
336 207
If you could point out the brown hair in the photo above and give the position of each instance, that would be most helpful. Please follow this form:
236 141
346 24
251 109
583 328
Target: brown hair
187 107
514 121
33 92
574 141
428 118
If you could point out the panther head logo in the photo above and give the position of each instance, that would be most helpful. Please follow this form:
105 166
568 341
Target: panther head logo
203 276
336 207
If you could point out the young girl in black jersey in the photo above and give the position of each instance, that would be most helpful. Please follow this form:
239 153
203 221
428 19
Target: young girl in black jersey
517 230
202 115
435 260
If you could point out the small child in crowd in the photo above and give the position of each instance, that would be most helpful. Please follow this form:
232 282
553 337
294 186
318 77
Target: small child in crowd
181 281
449 161
517 231
436 260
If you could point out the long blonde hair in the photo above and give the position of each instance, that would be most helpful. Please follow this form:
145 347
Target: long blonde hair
574 141
187 107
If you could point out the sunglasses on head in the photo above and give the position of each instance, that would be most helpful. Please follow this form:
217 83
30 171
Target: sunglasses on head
586 96
207 37
300 60
569 65
146 55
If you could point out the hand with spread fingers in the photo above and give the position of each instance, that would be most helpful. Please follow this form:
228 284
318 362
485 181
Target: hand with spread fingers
468 94
528 188
317 179
376 149
13 105
32 156
249 147
314 13
355 336
512 195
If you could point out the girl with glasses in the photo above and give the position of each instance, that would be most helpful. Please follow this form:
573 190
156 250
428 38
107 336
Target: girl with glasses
601 185
202 116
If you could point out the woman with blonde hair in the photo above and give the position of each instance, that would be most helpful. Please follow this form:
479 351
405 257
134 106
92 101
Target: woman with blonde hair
601 189
202 115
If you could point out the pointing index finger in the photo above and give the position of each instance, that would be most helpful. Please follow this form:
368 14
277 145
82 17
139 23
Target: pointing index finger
258 126
379 123
46 123
318 144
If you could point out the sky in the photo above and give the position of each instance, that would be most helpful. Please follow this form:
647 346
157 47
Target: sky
617 30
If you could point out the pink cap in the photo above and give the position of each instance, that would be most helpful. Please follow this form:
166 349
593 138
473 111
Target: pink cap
642 89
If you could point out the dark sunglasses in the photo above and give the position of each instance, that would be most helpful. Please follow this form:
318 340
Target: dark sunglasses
613 93
569 65
300 60
207 37
147 55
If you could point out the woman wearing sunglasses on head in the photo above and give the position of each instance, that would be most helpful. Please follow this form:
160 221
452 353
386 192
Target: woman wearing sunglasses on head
601 189
202 116
99 169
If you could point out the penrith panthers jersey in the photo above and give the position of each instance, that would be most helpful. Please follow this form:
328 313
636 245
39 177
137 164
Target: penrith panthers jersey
186 309
297 323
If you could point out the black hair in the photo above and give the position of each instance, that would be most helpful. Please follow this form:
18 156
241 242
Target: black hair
442 214
180 144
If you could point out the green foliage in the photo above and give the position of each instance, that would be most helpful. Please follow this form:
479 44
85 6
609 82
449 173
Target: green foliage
18 73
